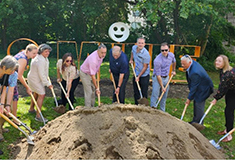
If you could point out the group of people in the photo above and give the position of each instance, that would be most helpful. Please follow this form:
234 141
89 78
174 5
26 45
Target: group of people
199 83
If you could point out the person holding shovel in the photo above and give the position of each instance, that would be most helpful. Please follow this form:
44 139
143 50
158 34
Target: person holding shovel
23 59
160 77
200 86
38 78
119 67
8 65
227 88
70 77
88 70
142 59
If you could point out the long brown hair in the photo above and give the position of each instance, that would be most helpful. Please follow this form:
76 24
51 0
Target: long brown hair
65 56
226 66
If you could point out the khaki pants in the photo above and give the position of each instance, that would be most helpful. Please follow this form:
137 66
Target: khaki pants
89 89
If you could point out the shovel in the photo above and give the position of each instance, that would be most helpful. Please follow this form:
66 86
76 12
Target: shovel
29 138
53 93
20 123
114 85
141 100
36 104
98 85
159 99
199 125
185 107
66 96
216 145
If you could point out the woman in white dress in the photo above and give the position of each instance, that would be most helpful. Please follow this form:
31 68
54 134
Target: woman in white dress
38 77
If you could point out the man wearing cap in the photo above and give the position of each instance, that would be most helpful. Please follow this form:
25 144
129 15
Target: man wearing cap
88 70
119 67
161 70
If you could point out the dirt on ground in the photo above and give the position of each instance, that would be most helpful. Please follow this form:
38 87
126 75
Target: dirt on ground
117 131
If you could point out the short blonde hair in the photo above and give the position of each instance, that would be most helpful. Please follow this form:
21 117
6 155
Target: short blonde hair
226 66
30 47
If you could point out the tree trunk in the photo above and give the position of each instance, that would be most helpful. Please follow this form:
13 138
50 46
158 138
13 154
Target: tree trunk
205 40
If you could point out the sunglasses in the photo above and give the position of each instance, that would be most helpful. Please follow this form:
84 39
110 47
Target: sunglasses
187 56
69 61
164 50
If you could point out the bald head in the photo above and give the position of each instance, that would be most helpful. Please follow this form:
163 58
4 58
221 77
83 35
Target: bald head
116 51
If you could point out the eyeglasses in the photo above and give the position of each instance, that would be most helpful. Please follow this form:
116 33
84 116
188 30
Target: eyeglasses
69 61
164 50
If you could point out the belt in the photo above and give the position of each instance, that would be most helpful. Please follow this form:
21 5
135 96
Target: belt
161 76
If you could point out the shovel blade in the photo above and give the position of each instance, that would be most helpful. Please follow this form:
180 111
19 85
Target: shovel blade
30 142
216 145
143 101
198 126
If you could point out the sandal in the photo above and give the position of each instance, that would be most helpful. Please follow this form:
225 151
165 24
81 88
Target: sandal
228 138
222 132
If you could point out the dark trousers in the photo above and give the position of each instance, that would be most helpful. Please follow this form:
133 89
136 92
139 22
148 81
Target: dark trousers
71 93
144 84
122 90
229 109
198 111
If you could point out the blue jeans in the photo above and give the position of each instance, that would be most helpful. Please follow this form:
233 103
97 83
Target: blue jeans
157 91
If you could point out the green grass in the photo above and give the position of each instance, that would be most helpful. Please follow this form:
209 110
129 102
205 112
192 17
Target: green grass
214 121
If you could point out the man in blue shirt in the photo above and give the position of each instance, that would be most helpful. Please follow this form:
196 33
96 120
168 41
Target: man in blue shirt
160 77
142 59
119 66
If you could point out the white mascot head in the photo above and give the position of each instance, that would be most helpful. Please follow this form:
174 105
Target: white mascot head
119 32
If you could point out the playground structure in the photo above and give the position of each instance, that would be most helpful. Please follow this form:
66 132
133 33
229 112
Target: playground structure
149 46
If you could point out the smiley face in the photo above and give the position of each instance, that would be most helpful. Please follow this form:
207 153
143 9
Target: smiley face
119 31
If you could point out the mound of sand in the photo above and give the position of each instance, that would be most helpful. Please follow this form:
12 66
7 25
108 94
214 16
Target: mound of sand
120 132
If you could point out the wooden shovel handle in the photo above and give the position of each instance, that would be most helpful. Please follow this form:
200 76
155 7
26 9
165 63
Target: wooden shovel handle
138 85
12 116
114 85
98 85
165 88
185 108
66 96
8 120
52 89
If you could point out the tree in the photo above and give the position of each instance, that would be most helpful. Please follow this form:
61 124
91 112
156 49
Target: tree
186 21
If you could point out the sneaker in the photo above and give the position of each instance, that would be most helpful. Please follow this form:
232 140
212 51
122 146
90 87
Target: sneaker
39 119
33 111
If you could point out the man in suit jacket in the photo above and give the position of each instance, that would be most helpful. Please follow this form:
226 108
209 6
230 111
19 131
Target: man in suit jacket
200 86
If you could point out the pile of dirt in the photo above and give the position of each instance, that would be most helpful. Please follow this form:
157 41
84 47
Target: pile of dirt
117 131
